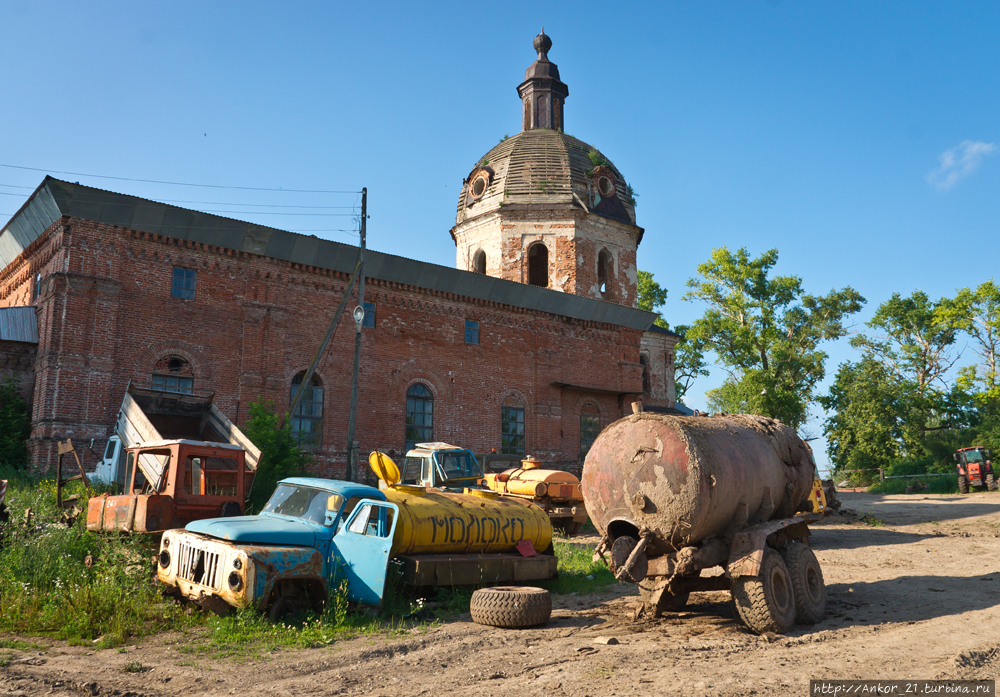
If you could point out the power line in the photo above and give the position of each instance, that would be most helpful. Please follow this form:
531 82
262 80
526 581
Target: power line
157 181
15 186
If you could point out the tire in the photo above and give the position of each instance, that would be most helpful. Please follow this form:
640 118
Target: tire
562 525
963 484
991 485
284 608
511 606
766 602
574 527
230 509
807 583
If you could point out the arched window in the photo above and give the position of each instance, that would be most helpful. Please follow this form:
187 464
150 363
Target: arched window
538 265
512 427
419 415
173 374
645 373
604 264
37 288
590 426
307 421
479 262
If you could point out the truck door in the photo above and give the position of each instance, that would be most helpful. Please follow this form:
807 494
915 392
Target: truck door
362 546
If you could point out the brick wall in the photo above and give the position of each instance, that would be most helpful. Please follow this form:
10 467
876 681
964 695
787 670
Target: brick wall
107 316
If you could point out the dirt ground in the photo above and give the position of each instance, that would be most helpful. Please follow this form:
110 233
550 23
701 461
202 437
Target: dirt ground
915 597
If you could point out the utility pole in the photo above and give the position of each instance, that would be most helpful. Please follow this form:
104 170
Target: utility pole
359 318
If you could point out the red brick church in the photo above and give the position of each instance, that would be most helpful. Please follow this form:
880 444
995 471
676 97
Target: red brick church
530 346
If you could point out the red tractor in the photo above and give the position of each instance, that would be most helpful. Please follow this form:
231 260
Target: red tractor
974 469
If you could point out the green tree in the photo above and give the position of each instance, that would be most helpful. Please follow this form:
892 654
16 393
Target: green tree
766 332
915 343
868 409
977 313
689 354
280 454
15 425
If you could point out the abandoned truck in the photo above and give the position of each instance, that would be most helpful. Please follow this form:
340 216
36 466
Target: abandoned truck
315 534
554 491
167 479
153 415
173 482
674 495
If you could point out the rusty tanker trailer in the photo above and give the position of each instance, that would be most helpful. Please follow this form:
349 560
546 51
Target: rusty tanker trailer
675 495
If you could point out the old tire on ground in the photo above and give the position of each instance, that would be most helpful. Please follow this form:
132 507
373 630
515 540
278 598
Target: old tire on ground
807 583
766 602
963 484
511 606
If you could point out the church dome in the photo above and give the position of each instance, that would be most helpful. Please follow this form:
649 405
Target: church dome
545 169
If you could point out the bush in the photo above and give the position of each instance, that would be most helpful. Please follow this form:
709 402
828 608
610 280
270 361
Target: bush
15 425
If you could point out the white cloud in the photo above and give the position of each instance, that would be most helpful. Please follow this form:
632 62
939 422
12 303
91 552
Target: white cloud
958 163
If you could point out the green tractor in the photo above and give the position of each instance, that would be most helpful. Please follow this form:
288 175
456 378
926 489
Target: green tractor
975 469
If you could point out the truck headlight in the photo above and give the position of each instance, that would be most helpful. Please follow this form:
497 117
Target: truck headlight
164 559
235 582
237 564
166 542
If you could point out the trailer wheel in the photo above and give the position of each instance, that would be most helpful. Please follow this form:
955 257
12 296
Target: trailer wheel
766 602
963 484
807 583
511 606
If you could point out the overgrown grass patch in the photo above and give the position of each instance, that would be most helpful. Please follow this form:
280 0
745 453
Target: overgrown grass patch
45 588
935 485
578 572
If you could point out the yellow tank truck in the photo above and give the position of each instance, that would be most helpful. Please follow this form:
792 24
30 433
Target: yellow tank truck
313 534
556 492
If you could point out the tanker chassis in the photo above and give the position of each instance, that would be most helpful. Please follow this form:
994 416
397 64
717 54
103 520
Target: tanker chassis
315 535
674 496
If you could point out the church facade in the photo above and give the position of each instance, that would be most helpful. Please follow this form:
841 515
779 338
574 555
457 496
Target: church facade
530 346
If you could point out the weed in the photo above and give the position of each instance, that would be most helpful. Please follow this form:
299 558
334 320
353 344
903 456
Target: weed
543 186
596 158
505 137
869 519
46 589
578 572
632 196
134 666
5 659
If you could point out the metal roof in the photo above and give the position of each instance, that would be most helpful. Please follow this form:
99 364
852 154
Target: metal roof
19 324
55 198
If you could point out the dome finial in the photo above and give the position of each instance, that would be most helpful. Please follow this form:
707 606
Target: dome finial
542 44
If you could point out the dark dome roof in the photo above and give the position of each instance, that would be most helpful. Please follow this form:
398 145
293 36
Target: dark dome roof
540 168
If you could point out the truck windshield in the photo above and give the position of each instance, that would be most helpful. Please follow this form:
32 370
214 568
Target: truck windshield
973 455
457 464
304 502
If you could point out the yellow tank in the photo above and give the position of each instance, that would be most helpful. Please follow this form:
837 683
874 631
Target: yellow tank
556 492
437 522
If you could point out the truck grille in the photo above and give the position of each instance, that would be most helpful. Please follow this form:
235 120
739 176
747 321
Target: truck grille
198 566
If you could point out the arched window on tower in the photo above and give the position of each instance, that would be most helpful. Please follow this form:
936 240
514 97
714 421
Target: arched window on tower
479 262
419 415
604 273
307 421
538 265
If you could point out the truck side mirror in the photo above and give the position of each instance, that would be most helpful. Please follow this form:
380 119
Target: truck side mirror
954 456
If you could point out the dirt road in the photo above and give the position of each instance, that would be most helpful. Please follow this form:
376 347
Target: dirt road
913 593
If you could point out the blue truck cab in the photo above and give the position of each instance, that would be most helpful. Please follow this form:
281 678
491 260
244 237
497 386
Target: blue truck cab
312 535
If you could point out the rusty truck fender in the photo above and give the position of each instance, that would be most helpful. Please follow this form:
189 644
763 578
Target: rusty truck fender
274 565
747 550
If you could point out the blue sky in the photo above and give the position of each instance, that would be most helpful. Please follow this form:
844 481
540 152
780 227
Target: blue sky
816 128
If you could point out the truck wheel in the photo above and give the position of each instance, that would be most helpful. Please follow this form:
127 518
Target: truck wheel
562 524
766 602
511 606
991 485
963 484
230 509
284 608
574 527
807 583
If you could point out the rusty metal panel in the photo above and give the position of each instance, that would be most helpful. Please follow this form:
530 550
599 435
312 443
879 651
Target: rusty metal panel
747 551
475 569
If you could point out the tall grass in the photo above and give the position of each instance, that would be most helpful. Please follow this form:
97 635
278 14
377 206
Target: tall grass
45 587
